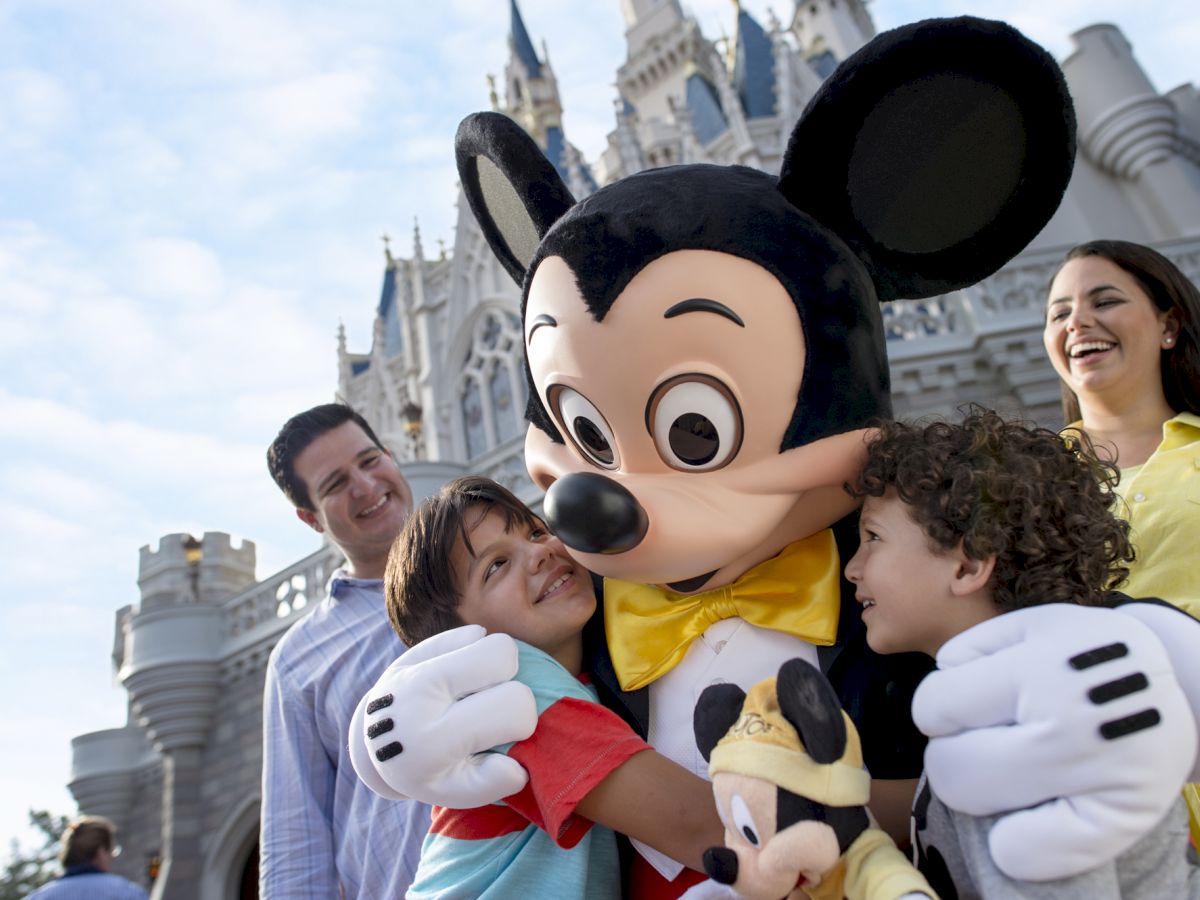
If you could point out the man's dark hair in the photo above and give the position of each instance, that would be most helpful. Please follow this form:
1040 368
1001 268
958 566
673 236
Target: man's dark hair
1040 501
420 583
84 838
296 434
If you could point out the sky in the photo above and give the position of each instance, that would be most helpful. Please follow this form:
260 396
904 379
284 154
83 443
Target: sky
192 196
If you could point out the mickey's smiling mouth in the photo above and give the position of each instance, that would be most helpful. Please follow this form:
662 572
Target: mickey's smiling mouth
691 585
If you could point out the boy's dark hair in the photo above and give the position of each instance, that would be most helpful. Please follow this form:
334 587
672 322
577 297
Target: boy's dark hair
1040 501
294 437
84 838
420 586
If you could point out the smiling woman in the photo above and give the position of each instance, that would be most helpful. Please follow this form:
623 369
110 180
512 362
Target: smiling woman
1122 329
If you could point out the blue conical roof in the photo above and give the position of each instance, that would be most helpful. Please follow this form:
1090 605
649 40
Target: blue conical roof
754 68
522 45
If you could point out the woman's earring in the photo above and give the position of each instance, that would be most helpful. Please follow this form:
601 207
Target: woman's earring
1168 341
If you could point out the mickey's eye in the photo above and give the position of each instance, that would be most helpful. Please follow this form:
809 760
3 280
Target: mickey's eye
743 822
696 423
586 427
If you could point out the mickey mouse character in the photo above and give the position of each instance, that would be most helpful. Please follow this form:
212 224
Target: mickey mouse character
704 351
786 767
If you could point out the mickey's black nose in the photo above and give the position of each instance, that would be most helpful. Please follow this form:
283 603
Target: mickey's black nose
721 864
594 514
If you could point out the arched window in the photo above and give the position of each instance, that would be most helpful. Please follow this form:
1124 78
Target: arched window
473 425
492 390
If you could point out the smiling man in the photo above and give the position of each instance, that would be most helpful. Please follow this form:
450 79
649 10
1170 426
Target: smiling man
324 833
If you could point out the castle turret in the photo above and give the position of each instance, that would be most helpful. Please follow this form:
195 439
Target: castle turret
171 671
1131 132
828 31
531 90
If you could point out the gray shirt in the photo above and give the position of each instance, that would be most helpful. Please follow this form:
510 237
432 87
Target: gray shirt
951 850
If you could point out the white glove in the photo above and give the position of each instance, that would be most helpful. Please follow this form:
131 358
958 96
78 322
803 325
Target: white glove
710 890
1014 722
420 733
1180 634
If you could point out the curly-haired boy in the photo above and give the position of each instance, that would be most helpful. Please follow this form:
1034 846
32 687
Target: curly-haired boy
962 523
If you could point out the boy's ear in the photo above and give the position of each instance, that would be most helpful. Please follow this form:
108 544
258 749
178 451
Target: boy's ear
972 575
309 518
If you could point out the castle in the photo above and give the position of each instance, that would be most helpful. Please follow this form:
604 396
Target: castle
443 382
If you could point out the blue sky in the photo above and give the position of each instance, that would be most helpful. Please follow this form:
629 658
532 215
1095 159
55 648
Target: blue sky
192 194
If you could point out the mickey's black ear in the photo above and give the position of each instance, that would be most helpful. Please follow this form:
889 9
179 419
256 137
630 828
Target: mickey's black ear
717 709
937 152
514 191
809 703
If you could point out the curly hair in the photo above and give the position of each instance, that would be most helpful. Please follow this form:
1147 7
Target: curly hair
1040 501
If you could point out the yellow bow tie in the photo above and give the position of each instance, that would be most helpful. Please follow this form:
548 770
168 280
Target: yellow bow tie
797 592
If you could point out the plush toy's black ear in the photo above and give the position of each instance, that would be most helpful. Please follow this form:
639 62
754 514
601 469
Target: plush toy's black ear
937 152
807 700
514 191
717 709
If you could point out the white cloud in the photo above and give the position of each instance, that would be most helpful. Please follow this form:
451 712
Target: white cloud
33 106
304 109
175 270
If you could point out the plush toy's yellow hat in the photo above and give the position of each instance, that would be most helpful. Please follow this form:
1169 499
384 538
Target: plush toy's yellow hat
763 744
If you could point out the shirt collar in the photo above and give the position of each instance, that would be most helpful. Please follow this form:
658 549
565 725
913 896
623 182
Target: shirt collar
82 869
341 582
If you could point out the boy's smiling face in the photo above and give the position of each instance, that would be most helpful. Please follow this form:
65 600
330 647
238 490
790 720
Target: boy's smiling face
521 582
914 596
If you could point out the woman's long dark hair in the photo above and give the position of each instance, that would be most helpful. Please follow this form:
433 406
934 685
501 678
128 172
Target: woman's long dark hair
1170 291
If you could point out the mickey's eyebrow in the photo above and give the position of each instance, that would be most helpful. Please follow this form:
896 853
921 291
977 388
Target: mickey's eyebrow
702 304
538 322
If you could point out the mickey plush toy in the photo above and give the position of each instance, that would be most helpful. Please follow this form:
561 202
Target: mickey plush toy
786 767
704 351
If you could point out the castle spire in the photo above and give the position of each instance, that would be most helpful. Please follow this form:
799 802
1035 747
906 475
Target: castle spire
522 46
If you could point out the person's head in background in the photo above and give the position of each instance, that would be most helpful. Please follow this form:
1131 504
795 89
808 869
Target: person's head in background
474 554
962 522
89 841
343 482
1123 327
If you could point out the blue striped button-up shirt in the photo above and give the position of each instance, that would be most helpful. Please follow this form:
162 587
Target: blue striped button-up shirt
324 833
91 885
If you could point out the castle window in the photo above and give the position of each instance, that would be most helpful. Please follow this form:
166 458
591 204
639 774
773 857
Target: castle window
473 425
492 391
508 417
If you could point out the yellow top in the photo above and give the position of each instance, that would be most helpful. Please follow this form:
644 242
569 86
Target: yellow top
1162 504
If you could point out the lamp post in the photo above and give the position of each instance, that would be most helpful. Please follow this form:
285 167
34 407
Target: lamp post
411 416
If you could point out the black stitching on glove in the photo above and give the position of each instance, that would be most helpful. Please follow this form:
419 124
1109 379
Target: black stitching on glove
379 703
1105 654
383 754
381 727
1122 687
1117 728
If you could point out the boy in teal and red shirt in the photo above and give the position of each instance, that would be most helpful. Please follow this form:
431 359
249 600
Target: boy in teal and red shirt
475 555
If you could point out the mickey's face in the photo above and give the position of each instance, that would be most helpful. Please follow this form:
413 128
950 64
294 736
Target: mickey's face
679 400
771 861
